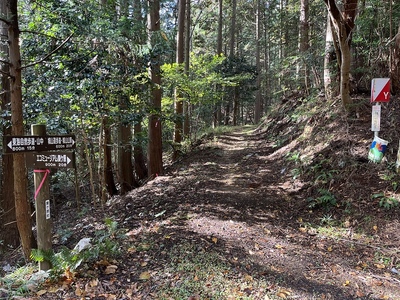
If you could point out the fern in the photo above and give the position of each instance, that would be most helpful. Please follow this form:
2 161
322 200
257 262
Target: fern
105 246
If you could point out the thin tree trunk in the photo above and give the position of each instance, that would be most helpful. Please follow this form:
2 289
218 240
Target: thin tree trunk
101 166
235 106
331 69
22 207
90 165
303 72
395 68
231 55
125 164
180 57
218 87
138 154
267 61
186 105
108 165
257 104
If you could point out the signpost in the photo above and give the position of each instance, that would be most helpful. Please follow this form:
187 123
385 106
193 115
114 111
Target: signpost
42 154
376 119
380 92
32 143
48 160
42 195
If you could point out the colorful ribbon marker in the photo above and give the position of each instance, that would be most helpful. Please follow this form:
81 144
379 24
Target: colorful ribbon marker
47 171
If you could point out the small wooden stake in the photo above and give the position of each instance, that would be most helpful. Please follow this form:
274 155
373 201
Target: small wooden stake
41 179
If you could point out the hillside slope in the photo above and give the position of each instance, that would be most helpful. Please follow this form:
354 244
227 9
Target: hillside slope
292 209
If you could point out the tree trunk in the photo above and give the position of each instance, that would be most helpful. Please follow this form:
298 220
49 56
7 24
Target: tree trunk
22 207
331 69
343 24
8 226
395 68
231 55
108 173
101 165
155 165
180 57
235 106
220 26
257 104
125 165
227 113
138 155
88 156
302 68
233 30
217 107
186 105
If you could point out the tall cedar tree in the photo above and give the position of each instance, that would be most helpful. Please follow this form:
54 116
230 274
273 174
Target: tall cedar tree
20 179
8 227
155 165
180 57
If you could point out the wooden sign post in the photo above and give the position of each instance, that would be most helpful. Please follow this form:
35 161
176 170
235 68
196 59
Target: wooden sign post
41 178
42 153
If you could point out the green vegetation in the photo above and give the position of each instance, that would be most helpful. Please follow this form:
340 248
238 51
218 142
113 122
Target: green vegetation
206 274
326 200
18 282
386 202
65 262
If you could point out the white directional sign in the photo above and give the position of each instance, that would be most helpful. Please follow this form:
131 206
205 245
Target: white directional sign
47 208
15 144
380 90
376 118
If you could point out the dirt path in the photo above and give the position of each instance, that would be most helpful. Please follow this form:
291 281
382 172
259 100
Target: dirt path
234 196
242 195
228 221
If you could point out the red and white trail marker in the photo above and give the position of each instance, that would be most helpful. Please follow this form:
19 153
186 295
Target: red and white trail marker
380 90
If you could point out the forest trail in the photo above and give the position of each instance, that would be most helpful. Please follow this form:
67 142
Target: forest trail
229 221
233 196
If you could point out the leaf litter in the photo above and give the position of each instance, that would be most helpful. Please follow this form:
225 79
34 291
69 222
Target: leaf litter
217 225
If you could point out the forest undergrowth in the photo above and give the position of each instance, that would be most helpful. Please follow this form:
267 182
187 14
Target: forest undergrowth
291 209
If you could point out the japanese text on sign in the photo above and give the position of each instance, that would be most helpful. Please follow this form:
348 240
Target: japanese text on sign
38 143
52 158
22 143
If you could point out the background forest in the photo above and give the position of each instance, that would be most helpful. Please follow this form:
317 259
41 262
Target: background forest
137 82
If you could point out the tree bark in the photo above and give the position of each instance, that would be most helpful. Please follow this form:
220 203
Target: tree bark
22 207
8 226
138 155
186 104
108 173
395 68
155 165
257 104
218 87
180 57
231 103
125 165
343 24
331 67
302 67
